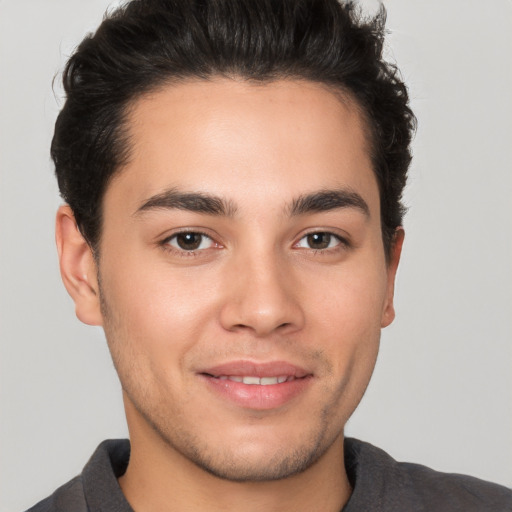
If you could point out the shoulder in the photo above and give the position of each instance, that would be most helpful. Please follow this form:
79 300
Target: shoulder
405 486
97 487
454 491
68 497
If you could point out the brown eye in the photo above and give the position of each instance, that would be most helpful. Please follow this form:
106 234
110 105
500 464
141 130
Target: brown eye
319 241
190 241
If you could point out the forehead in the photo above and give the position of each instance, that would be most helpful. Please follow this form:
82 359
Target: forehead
241 140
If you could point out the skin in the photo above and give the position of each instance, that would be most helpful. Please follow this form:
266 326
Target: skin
257 288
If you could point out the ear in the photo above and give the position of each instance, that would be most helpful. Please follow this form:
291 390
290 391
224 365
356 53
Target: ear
388 313
77 267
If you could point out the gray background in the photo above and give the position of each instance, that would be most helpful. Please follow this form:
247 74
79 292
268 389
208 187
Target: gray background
442 391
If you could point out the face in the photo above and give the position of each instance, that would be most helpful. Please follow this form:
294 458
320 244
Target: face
243 279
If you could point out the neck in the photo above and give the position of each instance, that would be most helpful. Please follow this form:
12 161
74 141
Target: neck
160 479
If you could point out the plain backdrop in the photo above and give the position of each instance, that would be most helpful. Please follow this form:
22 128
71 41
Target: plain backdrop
441 394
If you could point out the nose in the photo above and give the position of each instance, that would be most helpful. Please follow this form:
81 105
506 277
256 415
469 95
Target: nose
262 296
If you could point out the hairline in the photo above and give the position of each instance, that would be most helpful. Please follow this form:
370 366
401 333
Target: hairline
342 93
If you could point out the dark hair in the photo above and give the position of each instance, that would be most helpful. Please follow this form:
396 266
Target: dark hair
147 43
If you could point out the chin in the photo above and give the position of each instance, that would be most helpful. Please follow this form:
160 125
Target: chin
254 458
236 467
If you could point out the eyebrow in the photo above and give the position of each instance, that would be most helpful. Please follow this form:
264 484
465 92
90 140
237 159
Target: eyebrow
326 200
190 201
319 201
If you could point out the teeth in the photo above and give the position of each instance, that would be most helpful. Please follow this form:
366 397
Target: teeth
251 380
268 380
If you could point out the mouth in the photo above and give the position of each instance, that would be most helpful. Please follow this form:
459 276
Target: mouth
257 386
251 380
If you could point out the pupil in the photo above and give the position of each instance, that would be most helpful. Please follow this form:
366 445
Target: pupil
189 241
319 240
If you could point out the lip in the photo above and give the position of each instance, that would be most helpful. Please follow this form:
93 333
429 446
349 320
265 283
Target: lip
255 369
257 396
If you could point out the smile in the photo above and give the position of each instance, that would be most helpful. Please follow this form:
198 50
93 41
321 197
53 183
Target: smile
256 381
256 385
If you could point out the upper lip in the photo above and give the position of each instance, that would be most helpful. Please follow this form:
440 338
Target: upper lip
256 369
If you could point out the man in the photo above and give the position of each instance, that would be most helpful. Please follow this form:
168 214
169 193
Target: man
233 173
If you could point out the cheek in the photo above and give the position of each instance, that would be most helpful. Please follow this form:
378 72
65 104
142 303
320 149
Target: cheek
350 313
157 308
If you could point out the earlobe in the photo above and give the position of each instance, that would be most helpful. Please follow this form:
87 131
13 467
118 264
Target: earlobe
77 267
388 313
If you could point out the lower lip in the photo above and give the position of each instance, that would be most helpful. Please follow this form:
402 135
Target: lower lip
258 397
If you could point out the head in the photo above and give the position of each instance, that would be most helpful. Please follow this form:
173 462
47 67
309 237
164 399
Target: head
148 43
235 170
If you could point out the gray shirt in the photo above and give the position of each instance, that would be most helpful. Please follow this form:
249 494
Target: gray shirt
380 484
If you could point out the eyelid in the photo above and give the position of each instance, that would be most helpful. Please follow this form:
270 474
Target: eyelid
164 242
204 238
343 240
171 233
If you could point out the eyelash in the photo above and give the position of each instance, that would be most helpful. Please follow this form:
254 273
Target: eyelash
342 244
183 252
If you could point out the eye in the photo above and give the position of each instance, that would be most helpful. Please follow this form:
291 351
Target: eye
190 241
319 241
